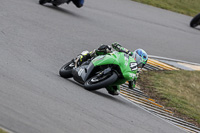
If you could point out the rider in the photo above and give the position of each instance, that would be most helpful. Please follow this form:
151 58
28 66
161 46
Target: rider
139 55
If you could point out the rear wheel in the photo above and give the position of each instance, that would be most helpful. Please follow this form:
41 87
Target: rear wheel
97 82
195 21
66 70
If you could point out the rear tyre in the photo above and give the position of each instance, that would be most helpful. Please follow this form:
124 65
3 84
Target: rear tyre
66 70
96 82
195 21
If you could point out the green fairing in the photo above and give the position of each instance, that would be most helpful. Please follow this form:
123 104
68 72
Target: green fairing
117 58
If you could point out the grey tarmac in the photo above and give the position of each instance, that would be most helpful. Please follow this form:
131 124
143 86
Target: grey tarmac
35 41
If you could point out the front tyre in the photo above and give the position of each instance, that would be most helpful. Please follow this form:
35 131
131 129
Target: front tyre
66 70
96 82
195 21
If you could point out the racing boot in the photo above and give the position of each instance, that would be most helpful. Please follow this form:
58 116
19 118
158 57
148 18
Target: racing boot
84 56
113 90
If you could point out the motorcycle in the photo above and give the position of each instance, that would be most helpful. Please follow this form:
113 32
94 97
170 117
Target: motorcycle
195 21
78 3
102 71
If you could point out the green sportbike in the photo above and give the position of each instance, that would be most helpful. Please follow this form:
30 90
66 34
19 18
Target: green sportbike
102 71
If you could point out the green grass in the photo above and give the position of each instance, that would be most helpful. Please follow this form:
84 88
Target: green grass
187 7
2 131
177 90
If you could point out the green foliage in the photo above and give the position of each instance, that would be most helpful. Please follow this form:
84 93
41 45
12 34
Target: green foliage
187 7
181 90
2 131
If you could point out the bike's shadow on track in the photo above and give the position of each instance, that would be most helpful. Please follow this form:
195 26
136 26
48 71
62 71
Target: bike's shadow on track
62 10
198 28
105 95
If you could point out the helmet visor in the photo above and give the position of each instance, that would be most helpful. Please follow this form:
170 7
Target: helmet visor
142 54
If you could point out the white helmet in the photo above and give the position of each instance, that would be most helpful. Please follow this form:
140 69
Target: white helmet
140 57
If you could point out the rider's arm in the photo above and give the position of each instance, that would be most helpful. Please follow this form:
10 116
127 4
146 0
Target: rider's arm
119 48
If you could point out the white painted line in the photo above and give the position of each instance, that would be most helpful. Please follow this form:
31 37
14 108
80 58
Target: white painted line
175 60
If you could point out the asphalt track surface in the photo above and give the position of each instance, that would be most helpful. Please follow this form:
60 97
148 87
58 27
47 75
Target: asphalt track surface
35 41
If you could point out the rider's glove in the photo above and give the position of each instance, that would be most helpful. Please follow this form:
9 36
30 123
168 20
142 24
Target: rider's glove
104 48
130 53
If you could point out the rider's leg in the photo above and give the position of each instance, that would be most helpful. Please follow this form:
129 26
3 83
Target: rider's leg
84 56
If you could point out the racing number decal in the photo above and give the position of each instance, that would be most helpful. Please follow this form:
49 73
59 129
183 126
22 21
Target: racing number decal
133 66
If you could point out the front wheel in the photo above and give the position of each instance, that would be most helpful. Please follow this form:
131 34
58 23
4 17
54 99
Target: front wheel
195 21
66 70
97 82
